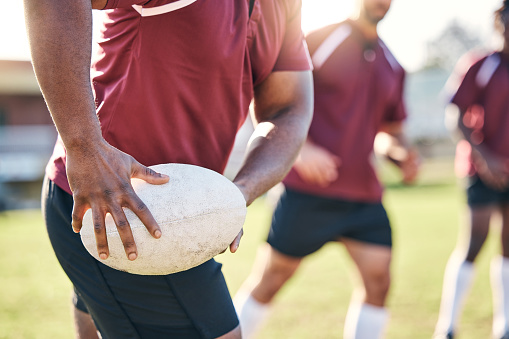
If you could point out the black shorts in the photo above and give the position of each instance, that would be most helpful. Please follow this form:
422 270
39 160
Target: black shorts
190 304
479 194
303 223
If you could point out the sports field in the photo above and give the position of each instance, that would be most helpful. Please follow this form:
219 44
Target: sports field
35 294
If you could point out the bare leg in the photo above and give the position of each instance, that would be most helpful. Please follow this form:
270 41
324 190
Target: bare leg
367 318
460 270
479 225
500 282
233 334
84 326
271 271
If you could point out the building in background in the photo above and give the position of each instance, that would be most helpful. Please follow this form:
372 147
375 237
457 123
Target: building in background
27 136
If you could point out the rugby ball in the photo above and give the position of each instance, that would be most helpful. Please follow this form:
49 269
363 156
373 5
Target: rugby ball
199 211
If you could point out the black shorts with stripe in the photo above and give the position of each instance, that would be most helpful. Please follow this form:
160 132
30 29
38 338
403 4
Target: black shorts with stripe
190 304
302 223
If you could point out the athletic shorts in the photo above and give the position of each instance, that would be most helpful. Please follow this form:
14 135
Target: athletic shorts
479 194
303 223
192 304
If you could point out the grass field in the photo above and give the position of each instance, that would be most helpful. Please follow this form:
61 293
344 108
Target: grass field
35 294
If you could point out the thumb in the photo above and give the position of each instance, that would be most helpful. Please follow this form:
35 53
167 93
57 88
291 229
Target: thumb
149 175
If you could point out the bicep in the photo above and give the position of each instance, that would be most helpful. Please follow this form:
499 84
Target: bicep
283 92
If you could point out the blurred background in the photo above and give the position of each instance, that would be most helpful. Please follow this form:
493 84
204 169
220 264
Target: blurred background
427 37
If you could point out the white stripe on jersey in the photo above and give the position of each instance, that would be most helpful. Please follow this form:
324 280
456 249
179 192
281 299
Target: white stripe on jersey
329 45
173 6
488 67
390 57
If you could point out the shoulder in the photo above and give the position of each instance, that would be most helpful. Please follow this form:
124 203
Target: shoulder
335 32
323 32
479 65
391 59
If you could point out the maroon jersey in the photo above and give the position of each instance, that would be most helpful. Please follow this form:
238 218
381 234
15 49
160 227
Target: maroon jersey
173 79
358 86
484 105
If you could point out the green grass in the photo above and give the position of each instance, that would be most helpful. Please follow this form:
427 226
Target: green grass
35 294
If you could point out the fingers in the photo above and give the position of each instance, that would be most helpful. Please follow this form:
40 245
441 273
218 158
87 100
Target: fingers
78 211
141 210
234 246
100 233
125 233
321 174
152 177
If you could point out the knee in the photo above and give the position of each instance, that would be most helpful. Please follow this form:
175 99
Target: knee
271 282
275 278
377 286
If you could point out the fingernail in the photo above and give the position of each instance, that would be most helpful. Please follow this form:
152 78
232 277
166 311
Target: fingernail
103 256
157 234
75 230
132 256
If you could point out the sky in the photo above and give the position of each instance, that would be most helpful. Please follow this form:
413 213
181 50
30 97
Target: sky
409 25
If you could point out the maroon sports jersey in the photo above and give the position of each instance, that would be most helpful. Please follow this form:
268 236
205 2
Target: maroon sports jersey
358 86
173 79
484 106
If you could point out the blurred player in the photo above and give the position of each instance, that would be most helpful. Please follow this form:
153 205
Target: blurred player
480 112
332 192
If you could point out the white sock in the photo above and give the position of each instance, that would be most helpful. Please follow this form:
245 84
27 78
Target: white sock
458 278
500 290
252 314
364 321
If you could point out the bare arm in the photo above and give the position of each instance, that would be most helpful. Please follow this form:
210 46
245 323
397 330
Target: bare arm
392 143
283 111
60 35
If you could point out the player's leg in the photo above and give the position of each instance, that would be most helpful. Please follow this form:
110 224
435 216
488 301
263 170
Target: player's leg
84 325
290 239
233 334
271 271
367 317
459 271
500 282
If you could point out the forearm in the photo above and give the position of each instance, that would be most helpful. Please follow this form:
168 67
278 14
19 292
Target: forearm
281 131
60 36
271 153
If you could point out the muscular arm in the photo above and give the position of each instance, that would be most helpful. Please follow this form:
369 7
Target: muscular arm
60 36
283 111
391 142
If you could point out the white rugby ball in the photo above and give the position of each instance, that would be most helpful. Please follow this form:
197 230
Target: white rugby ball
199 211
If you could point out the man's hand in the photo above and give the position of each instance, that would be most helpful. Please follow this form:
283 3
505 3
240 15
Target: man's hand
492 169
316 165
100 179
410 167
